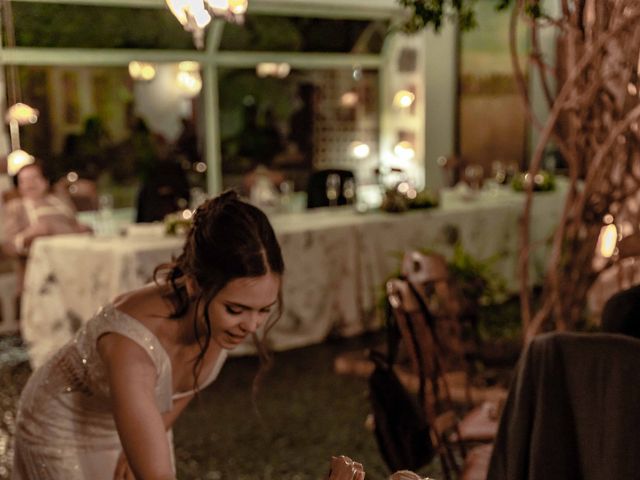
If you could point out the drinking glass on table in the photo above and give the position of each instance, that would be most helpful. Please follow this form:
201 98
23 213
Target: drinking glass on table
499 172
105 223
349 190
333 188
474 174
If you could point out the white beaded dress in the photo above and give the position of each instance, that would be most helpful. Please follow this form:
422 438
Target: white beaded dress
65 427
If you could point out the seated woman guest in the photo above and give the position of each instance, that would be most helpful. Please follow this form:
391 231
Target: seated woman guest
36 212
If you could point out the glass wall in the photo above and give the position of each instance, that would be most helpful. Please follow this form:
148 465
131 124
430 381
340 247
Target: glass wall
309 120
107 128
100 124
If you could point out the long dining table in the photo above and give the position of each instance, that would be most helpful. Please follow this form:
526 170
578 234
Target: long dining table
336 261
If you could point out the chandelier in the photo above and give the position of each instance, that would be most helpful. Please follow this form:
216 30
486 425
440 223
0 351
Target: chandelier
195 15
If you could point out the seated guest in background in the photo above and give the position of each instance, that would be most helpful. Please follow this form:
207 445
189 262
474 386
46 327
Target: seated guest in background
103 406
621 313
165 190
36 212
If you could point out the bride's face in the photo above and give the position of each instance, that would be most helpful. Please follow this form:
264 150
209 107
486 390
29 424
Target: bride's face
242 307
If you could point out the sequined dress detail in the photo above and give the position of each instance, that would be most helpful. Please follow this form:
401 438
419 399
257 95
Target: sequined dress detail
65 427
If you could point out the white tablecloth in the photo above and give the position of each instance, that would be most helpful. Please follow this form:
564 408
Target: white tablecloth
336 263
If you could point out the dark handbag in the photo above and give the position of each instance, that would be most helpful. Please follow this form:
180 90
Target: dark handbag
401 429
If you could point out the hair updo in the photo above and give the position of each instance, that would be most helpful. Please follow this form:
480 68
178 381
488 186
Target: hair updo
229 239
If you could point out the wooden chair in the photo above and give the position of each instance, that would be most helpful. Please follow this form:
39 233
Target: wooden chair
448 437
431 282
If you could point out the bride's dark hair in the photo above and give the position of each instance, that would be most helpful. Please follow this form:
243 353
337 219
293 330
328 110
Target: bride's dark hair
229 239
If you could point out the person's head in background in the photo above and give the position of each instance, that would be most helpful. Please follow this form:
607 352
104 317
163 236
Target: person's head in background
31 181
621 313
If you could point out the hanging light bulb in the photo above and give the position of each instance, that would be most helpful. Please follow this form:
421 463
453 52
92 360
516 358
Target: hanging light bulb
188 78
195 15
238 7
22 114
18 159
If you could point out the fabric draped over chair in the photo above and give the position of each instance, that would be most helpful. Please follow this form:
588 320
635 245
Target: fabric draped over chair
573 411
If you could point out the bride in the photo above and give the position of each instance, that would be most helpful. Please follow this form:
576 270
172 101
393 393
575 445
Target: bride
102 407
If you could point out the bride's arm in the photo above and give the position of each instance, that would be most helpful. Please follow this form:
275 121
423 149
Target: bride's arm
132 380
172 415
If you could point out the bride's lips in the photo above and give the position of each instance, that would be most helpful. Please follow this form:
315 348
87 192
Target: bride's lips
236 338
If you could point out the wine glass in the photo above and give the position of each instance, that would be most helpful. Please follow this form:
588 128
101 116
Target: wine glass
499 172
349 190
333 188
474 174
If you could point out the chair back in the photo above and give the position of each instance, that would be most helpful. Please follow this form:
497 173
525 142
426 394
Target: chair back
417 331
429 276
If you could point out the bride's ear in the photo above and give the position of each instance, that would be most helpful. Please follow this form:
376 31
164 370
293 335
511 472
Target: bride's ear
193 289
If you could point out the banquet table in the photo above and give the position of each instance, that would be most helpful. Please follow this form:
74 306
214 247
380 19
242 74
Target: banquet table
336 259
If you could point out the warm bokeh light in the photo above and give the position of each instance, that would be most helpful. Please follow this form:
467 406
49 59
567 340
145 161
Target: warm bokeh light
403 99
22 113
238 7
18 159
404 150
608 240
188 78
359 149
349 99
142 71
186 10
271 69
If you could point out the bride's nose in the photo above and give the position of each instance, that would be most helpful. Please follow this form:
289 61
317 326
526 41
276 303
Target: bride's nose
251 323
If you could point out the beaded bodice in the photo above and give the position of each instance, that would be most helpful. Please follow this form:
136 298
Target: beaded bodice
67 399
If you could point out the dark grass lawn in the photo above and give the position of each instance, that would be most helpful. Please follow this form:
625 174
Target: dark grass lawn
306 414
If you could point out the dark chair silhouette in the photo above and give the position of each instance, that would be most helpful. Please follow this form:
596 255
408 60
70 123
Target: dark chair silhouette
462 455
165 191
572 412
317 188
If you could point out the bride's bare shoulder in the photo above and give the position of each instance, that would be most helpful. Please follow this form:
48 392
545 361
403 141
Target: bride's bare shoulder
144 304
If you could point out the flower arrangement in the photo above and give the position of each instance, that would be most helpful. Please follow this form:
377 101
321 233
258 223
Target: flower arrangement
396 201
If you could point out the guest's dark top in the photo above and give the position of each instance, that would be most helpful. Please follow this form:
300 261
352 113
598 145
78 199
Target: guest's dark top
573 411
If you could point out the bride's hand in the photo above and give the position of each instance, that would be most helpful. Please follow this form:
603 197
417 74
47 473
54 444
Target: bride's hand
343 468
123 470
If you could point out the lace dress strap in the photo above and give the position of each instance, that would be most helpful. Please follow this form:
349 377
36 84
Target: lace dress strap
112 320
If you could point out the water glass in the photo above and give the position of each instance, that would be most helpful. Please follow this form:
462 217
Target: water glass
333 188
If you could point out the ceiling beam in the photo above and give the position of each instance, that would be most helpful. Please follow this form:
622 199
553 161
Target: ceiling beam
122 57
347 9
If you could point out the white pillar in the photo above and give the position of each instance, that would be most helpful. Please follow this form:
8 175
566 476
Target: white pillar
441 87
212 131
